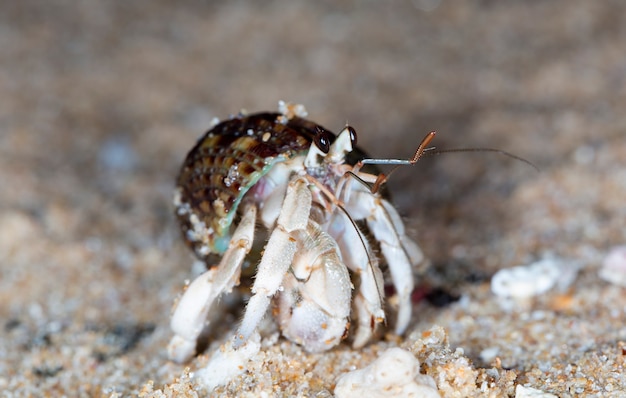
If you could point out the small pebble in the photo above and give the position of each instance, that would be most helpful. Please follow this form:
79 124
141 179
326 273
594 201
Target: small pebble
613 268
532 280
394 374
529 392
489 354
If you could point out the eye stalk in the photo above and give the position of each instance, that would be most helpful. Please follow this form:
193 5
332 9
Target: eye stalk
352 135
322 140
319 148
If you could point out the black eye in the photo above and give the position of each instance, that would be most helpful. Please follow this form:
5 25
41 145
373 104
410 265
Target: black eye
322 140
352 135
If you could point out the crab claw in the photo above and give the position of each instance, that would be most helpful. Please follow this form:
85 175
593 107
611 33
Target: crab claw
314 305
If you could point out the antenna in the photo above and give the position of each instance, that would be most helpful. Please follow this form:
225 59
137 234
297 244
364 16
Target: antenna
421 151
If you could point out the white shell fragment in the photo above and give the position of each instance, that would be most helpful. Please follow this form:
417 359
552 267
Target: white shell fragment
290 110
529 392
614 266
394 374
532 280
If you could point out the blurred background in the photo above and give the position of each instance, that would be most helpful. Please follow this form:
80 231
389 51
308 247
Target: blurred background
102 100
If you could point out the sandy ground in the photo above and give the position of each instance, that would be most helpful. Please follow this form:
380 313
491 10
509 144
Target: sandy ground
102 100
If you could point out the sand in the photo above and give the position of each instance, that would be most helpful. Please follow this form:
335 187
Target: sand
102 100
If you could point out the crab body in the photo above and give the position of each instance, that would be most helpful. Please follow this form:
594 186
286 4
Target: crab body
296 179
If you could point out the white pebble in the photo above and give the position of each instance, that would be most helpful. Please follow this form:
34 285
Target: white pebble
614 266
529 392
531 280
489 354
394 374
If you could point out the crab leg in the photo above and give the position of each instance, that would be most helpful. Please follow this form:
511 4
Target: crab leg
401 254
277 258
189 317
399 251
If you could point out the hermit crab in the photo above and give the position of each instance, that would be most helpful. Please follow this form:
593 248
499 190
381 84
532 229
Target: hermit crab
329 232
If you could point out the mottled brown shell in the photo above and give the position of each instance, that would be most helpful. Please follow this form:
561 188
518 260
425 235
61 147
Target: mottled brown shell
225 163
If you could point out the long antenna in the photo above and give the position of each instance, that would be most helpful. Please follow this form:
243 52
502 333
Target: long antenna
421 151
500 151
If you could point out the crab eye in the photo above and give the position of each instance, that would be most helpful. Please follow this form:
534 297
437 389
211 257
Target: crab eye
322 140
352 132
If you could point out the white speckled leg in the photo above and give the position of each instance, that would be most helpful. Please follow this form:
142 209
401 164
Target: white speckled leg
189 317
226 363
400 252
277 258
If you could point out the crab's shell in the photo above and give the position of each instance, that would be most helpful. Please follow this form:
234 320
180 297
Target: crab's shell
225 163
